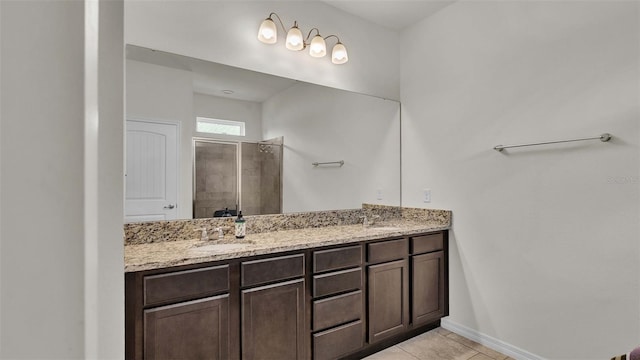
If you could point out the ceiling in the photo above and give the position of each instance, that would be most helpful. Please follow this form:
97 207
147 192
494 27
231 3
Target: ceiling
392 14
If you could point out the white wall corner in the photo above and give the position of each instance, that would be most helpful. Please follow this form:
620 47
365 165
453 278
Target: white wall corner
104 187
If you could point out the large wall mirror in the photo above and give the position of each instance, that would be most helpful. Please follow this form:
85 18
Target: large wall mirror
304 147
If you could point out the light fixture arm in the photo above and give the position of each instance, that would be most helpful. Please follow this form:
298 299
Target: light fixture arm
335 36
306 40
279 20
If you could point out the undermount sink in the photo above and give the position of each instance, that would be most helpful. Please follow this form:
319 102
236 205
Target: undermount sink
216 248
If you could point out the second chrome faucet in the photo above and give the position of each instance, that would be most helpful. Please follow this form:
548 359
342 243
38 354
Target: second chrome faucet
368 221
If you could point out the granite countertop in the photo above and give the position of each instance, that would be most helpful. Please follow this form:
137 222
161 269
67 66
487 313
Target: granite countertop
158 255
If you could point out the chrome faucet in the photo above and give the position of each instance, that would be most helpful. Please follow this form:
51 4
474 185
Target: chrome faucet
369 221
203 236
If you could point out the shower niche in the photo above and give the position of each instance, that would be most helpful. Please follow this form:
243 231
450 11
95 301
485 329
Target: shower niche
237 175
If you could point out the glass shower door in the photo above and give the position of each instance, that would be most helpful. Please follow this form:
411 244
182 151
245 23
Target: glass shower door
215 178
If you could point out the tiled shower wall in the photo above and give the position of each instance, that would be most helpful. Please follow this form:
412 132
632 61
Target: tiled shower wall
271 182
261 179
216 178
250 179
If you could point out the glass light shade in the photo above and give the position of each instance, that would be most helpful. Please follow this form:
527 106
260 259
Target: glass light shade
339 54
318 47
294 39
268 33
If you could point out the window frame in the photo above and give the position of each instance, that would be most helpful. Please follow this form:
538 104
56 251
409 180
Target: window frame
241 125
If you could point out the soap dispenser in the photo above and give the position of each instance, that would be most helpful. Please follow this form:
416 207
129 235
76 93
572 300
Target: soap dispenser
240 226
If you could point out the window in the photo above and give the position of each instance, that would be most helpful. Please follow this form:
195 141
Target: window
220 127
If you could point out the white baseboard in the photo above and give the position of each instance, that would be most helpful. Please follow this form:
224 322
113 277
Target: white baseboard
488 341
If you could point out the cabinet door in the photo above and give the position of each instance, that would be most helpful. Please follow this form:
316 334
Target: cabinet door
428 287
273 323
192 330
388 299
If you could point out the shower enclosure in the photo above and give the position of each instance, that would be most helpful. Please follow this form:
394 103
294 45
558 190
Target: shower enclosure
236 176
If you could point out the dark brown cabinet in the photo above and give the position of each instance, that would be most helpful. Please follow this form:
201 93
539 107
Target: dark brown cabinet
182 314
323 303
388 299
273 315
273 323
338 325
339 341
427 287
428 278
192 330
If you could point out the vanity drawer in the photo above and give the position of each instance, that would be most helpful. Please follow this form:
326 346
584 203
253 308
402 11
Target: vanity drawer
387 250
185 285
337 310
337 282
427 243
335 259
335 343
273 269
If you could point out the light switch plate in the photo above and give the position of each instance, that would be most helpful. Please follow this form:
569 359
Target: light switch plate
426 195
379 194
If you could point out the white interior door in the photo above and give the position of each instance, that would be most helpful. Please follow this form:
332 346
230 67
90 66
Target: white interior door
151 190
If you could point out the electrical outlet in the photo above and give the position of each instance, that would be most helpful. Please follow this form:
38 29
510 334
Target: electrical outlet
379 194
426 195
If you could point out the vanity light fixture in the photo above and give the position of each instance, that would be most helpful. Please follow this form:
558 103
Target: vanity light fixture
268 34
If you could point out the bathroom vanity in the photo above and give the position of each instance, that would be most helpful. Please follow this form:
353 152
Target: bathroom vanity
330 292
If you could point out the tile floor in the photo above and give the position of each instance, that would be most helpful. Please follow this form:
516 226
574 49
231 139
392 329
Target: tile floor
438 344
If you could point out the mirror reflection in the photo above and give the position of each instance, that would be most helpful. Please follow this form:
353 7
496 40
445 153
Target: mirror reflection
229 176
203 138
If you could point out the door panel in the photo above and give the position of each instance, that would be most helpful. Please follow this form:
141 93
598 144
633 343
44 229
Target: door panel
151 190
192 330
388 299
428 287
273 321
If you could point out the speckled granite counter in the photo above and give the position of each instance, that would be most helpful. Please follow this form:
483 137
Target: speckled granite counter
183 252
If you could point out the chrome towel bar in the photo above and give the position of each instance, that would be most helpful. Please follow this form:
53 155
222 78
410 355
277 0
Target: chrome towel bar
341 162
604 138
